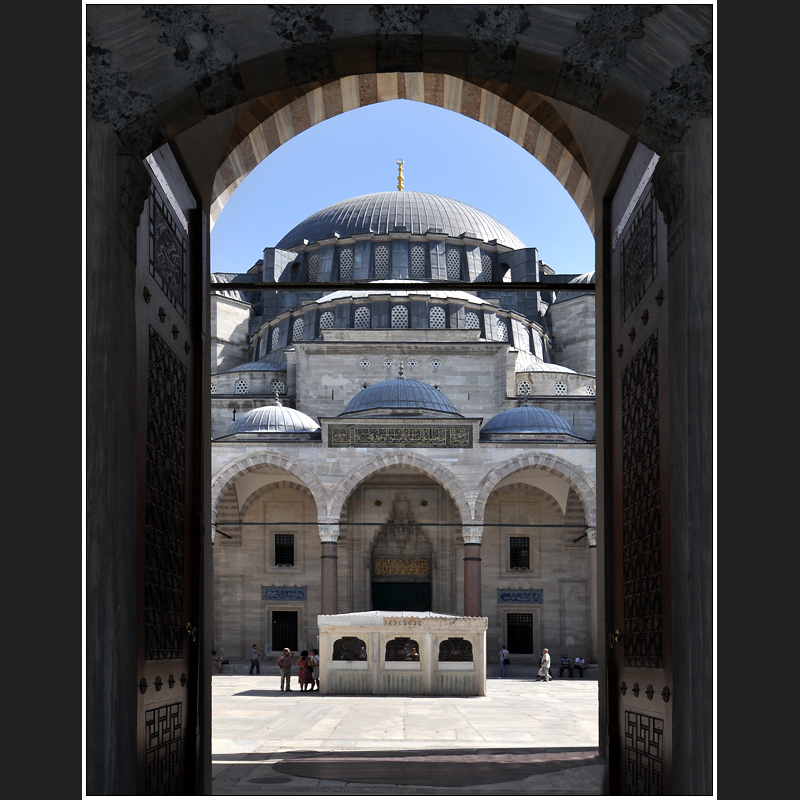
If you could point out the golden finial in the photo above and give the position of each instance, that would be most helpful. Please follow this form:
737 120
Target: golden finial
399 174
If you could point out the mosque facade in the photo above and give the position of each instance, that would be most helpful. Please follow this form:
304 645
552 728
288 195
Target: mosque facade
403 449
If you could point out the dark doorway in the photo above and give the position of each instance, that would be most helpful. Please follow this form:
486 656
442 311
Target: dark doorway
401 596
284 630
519 630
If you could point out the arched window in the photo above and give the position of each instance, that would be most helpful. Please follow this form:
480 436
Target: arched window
241 386
275 339
297 330
453 256
455 649
486 266
418 262
349 648
381 262
346 264
402 649
313 266
326 320
502 331
399 317
436 317
472 321
362 317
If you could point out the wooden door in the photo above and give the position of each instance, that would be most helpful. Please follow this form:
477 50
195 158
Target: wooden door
169 374
639 646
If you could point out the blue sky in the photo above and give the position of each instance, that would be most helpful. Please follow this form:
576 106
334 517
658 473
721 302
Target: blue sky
443 152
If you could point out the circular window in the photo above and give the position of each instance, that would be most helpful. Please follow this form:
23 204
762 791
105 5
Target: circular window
388 363
590 390
213 388
561 388
364 363
411 363
435 363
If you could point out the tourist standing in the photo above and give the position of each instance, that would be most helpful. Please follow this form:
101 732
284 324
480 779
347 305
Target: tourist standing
255 664
313 661
284 663
505 660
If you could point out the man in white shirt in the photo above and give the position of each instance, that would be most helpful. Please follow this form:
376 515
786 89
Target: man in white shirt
544 666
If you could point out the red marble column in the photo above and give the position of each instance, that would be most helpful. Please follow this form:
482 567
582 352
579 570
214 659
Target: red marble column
329 574
472 570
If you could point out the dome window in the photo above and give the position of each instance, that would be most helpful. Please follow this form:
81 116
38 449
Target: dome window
417 262
436 317
346 264
364 363
275 339
435 363
241 386
278 387
472 321
362 317
502 331
399 317
453 264
388 363
537 345
411 363
486 265
561 388
297 330
213 388
326 320
523 388
313 266
590 390
381 262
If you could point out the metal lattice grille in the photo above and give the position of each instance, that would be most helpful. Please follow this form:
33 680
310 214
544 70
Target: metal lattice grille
162 757
313 266
381 262
326 320
502 331
472 321
560 388
275 339
278 386
644 754
519 552
165 502
519 630
168 254
241 386
436 317
349 648
284 549
297 330
453 264
362 317
346 264
400 648
284 630
399 317
639 257
417 262
641 510
486 267
455 649
523 388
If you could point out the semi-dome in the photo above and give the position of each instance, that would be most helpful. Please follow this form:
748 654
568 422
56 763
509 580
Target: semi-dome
400 393
274 419
569 294
399 213
527 419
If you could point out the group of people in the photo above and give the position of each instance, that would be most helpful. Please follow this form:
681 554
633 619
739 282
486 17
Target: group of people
308 666
565 663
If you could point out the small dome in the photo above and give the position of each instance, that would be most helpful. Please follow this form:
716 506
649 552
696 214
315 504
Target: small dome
274 419
527 362
528 419
399 393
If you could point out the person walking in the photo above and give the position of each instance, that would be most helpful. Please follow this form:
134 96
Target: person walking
255 664
544 667
505 660
284 663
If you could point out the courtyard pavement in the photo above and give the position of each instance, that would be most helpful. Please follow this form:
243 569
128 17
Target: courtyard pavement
523 738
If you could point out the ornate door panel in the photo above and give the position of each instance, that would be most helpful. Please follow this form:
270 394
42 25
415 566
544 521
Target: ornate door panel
640 658
168 323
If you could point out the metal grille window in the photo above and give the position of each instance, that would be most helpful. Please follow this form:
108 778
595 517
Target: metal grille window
313 266
524 388
278 386
241 386
399 649
519 552
561 388
275 339
326 320
590 390
436 317
362 317
297 330
411 363
472 321
502 331
346 264
435 363
519 633
399 317
381 262
284 630
455 649
349 648
453 264
284 549
213 388
486 267
417 262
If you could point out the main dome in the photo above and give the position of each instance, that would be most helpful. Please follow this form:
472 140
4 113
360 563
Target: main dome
399 213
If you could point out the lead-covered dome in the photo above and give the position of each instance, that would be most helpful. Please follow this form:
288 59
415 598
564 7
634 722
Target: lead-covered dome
527 419
274 419
400 394
399 213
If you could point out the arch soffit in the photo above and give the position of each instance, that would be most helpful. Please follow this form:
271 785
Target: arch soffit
252 462
270 487
428 467
575 477
528 119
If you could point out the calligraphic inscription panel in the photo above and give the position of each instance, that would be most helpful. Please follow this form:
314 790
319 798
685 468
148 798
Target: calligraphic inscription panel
401 566
283 592
520 595
400 436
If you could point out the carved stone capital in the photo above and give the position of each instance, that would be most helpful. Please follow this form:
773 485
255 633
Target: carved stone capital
328 532
591 534
472 534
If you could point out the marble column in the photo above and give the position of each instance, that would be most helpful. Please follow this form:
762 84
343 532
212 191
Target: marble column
329 574
472 569
591 534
